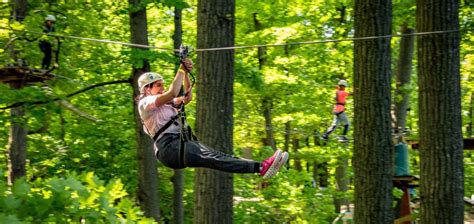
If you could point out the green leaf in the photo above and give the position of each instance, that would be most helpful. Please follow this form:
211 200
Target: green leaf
9 218
11 202
20 188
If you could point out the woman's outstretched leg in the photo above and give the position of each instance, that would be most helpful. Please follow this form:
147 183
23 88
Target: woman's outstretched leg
200 155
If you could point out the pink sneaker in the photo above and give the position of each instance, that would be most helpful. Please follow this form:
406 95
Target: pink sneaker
282 162
271 165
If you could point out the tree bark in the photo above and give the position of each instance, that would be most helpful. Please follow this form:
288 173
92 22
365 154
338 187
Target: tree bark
148 175
442 175
19 9
403 76
342 185
267 101
178 177
267 114
296 145
17 142
320 168
321 174
214 116
469 124
18 129
286 146
372 132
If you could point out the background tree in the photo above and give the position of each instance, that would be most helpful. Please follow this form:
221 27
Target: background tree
178 177
299 78
441 179
18 129
214 125
267 100
372 128
19 9
403 77
148 175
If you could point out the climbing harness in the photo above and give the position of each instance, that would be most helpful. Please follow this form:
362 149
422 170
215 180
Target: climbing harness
186 133
166 126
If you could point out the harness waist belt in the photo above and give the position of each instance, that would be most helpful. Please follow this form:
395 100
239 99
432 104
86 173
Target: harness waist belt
340 104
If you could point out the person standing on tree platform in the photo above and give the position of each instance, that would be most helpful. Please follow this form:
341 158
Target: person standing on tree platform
45 44
159 112
339 112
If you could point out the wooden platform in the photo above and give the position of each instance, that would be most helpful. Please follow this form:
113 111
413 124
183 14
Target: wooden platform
15 74
468 144
405 181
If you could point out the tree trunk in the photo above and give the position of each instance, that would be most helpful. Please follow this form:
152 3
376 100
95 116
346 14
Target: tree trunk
62 123
321 174
262 51
18 129
178 188
441 179
286 146
178 177
320 168
214 108
372 133
148 176
469 124
19 9
296 146
17 142
267 114
267 101
342 184
403 76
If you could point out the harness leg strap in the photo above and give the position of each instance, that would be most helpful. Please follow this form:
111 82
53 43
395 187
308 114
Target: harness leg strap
182 151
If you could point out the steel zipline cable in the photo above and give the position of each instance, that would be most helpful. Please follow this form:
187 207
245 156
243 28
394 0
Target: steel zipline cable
237 47
230 48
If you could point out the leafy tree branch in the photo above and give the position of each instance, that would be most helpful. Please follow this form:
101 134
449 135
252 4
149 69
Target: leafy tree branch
17 104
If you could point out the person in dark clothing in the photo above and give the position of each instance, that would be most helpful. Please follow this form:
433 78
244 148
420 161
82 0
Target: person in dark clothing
45 44
158 110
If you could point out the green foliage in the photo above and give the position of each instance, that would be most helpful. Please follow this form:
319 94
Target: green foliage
298 80
74 198
468 174
282 200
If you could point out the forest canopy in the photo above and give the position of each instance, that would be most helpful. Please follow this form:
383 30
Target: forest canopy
82 160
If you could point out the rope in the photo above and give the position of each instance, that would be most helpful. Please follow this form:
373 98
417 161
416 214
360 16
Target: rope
90 39
329 40
244 46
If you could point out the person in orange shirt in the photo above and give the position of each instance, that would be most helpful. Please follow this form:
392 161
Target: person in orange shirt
339 114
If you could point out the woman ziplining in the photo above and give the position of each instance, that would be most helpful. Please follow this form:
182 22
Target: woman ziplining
162 114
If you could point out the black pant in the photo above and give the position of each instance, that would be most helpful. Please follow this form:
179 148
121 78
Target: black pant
47 50
196 154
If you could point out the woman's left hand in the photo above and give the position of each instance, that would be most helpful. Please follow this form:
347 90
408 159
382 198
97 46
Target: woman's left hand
187 65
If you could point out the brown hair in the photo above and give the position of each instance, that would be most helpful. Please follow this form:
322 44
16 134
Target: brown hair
144 94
